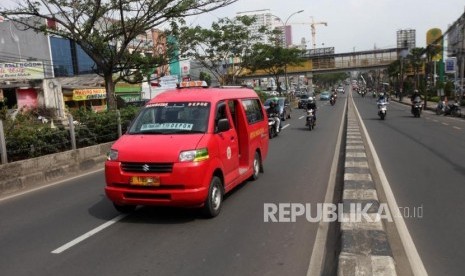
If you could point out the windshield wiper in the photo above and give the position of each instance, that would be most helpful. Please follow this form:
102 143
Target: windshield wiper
186 131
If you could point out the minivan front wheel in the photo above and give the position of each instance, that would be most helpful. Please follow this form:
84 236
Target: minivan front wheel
214 199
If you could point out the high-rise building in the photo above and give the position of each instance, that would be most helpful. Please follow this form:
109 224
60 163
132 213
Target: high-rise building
264 18
286 35
406 39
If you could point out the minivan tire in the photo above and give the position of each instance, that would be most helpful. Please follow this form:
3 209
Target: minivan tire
257 167
214 201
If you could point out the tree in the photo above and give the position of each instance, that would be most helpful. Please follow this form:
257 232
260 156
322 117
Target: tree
205 77
329 79
415 59
274 59
394 73
223 49
106 30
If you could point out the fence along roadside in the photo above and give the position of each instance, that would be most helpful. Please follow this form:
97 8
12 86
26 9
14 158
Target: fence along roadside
46 138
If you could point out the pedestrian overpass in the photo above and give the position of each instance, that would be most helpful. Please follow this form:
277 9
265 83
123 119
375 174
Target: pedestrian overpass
324 62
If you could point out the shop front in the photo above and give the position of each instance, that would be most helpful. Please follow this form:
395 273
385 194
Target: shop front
88 98
20 84
128 92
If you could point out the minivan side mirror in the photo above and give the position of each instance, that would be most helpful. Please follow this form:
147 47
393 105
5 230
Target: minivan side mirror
223 125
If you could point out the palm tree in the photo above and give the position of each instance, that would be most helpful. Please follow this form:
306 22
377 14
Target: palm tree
416 60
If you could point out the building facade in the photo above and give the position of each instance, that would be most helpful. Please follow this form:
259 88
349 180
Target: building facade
38 70
264 18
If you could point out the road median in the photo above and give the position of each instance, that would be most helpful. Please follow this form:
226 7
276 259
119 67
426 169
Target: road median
365 248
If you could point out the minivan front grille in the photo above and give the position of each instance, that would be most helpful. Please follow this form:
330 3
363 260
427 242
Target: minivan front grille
147 167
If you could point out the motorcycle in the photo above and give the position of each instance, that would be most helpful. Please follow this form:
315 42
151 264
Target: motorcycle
453 110
273 127
417 106
382 109
441 107
310 119
332 100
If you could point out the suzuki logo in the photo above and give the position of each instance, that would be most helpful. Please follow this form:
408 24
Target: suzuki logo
145 168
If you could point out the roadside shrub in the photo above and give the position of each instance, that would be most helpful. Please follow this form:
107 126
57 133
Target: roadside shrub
27 137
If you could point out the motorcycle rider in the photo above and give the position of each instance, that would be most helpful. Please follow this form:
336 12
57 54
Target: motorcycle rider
415 98
311 104
333 97
273 109
382 98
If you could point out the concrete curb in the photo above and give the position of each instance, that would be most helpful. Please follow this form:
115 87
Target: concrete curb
20 176
365 249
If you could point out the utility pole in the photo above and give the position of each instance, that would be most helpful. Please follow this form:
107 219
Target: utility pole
286 78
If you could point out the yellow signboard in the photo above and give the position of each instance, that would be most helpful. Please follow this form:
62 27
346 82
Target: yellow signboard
22 70
89 94
431 36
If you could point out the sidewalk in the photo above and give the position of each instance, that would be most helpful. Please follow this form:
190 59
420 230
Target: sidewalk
429 105
406 101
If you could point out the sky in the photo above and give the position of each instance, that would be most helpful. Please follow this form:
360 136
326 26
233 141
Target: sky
353 25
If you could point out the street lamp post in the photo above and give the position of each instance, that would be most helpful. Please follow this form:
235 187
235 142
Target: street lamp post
284 26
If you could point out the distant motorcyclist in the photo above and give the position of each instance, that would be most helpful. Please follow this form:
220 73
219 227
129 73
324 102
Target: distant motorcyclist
382 98
274 110
333 97
311 104
415 98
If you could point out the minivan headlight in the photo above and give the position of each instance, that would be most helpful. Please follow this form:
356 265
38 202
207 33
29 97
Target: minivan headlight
112 155
193 155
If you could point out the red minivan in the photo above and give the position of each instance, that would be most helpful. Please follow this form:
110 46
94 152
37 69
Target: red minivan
188 147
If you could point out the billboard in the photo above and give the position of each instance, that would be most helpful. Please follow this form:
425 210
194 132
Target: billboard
320 51
89 94
22 70
450 65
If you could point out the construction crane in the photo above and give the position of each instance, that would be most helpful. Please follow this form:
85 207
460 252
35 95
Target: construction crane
313 28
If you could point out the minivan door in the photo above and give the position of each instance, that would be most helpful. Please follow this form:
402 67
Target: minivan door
228 144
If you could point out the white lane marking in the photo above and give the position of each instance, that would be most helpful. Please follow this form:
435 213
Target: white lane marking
435 121
446 124
88 234
286 126
315 266
416 264
301 117
457 128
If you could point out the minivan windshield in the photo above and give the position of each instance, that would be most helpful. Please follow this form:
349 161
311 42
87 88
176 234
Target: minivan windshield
172 118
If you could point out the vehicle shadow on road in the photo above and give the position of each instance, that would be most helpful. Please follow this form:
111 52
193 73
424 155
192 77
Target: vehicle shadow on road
104 210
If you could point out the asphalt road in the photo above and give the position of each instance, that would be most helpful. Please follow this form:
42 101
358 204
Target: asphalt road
166 241
424 161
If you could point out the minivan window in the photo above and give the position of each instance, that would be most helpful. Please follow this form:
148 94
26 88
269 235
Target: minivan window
220 114
172 118
253 110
